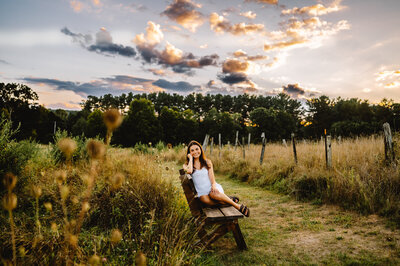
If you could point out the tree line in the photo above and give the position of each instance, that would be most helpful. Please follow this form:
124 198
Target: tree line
174 118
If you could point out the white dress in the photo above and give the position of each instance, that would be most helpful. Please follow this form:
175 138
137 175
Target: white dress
202 182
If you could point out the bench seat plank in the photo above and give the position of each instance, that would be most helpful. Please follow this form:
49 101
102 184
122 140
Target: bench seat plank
231 212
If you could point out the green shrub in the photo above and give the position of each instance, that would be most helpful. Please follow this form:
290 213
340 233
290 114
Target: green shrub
79 154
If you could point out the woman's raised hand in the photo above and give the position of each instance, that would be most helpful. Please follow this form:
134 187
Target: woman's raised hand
189 156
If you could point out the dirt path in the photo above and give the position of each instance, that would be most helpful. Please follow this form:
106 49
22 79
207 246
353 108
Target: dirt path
282 230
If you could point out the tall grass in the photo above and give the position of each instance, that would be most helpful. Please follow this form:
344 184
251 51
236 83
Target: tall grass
360 179
87 203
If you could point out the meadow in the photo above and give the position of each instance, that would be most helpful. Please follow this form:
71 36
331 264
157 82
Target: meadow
80 201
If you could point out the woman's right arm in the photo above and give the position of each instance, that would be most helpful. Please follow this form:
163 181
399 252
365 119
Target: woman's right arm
189 167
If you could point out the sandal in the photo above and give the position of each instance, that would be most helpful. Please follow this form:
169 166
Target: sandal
234 199
244 210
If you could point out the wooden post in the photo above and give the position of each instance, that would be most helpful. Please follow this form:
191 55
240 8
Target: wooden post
263 148
284 142
326 148
249 140
219 144
294 148
329 152
340 139
389 152
244 148
55 126
205 142
237 139
211 145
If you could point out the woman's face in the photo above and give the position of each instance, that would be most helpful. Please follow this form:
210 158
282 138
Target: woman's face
195 151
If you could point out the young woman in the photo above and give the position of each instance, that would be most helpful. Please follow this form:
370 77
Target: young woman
202 172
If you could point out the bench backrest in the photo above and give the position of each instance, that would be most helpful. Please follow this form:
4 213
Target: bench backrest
190 193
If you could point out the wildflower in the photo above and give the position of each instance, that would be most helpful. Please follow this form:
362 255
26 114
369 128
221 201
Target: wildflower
36 191
96 149
10 201
117 180
48 206
116 236
9 181
67 146
94 260
112 118
140 259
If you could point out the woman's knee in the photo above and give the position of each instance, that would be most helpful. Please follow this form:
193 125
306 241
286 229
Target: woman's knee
215 195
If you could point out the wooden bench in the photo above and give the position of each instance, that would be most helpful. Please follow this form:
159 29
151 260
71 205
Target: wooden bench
226 217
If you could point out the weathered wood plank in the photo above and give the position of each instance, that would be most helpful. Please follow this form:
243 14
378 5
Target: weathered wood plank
213 213
231 212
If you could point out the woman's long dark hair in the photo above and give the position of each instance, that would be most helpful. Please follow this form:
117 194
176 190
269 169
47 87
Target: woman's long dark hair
202 157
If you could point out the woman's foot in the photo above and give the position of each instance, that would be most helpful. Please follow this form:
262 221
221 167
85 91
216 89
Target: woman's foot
244 210
234 199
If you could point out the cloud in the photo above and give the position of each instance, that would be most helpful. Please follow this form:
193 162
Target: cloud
180 86
243 55
269 2
170 56
4 62
293 90
76 5
315 10
248 14
311 32
183 12
103 45
220 25
388 79
234 65
233 78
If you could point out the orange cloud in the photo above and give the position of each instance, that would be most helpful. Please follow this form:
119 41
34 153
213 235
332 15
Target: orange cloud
315 10
234 65
220 25
388 79
269 2
76 5
243 55
248 14
183 12
153 36
171 55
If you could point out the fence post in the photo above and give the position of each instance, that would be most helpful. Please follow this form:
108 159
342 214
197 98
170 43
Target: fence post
237 139
244 148
55 126
328 152
326 148
219 144
263 148
211 145
294 148
284 142
205 142
249 140
389 152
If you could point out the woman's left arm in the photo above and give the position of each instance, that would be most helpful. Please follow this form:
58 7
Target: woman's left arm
211 176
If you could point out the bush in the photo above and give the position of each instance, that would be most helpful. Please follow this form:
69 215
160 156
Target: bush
79 154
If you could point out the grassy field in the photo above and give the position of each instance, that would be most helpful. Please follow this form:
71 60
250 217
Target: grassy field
81 201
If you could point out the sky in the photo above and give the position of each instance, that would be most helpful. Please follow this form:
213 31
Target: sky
66 50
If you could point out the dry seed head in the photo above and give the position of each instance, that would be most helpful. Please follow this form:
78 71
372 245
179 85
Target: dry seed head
60 176
140 259
85 206
36 191
88 180
67 146
10 201
96 149
22 251
117 180
64 191
48 206
74 200
116 236
73 240
94 260
54 227
9 181
112 118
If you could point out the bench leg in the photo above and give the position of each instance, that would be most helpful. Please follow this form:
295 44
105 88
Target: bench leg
217 233
238 236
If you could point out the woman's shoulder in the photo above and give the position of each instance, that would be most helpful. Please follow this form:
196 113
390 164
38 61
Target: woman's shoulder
209 163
